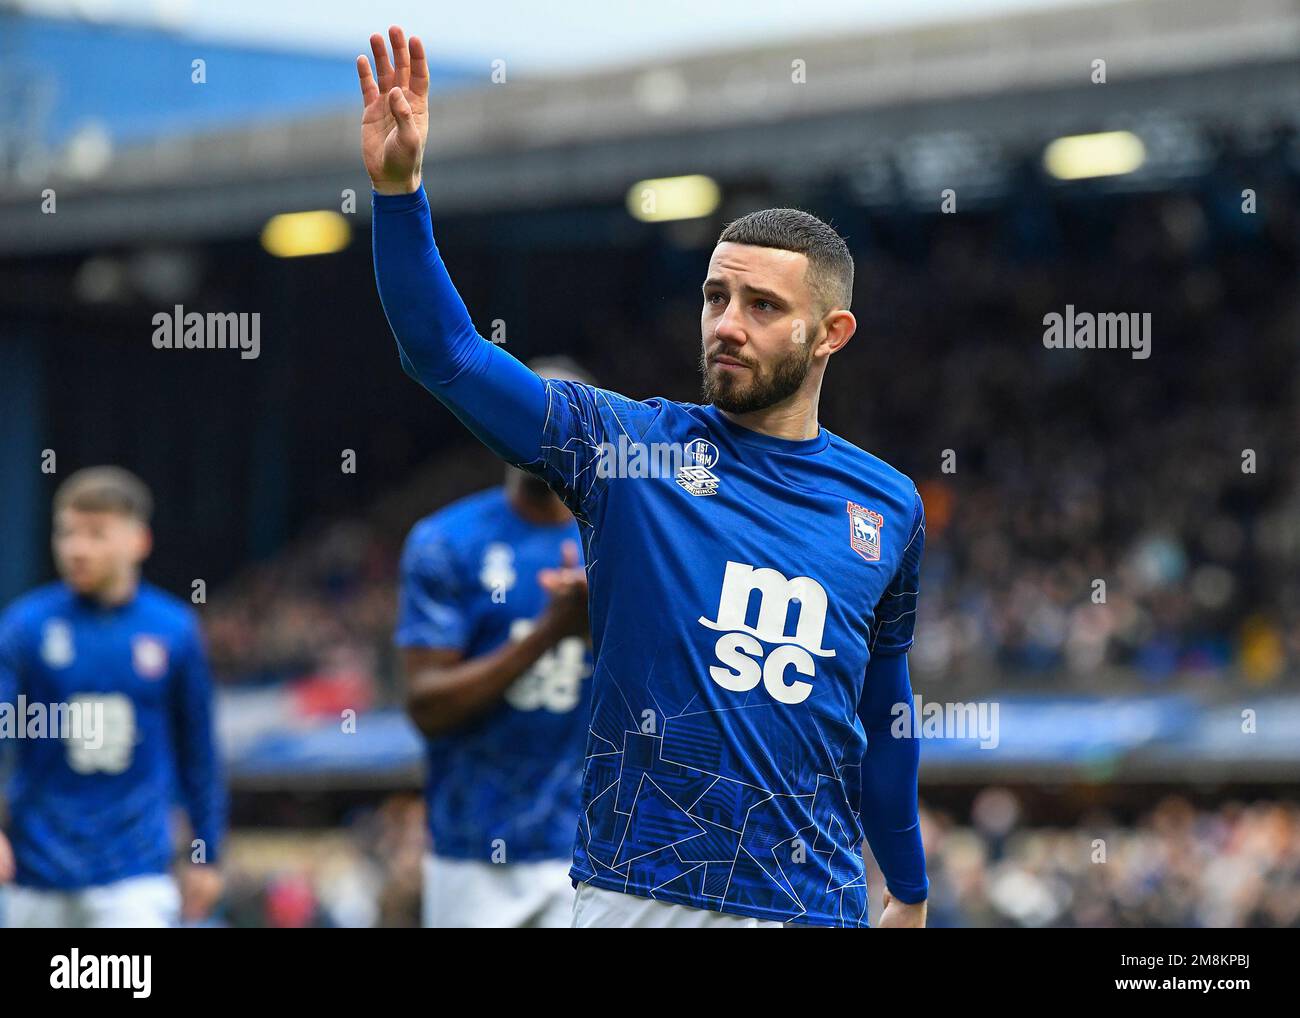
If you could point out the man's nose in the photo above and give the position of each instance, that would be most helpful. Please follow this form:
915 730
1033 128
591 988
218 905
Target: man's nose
729 327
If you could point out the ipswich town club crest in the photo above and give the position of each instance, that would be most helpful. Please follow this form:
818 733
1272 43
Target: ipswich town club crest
57 648
864 531
149 656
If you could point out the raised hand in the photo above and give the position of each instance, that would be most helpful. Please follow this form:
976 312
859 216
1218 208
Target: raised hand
566 587
395 123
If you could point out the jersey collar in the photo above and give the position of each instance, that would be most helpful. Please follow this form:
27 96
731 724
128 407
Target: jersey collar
771 443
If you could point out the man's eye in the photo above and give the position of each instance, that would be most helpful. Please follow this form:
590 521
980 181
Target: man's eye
708 297
766 305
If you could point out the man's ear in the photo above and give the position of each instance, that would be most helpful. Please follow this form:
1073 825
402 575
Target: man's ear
840 327
144 543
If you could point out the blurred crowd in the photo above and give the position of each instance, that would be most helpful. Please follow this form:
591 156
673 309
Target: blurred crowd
321 613
1175 866
323 609
1093 518
364 873
1234 865
1103 512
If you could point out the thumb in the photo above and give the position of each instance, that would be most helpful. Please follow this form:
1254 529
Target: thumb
398 104
403 114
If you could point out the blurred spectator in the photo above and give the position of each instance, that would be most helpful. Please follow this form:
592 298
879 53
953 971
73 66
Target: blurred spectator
366 874
1092 518
1177 866
1236 864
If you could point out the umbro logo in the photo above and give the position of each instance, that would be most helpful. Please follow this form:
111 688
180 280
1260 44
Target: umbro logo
695 476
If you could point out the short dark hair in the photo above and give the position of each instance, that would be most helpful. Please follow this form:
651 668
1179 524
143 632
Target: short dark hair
830 266
106 490
559 366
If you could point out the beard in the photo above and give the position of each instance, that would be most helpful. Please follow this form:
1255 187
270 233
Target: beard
760 388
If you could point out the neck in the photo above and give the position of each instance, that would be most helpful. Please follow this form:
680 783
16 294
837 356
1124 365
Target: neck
118 591
545 509
794 418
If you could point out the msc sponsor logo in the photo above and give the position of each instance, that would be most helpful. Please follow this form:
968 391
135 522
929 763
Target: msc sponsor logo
744 659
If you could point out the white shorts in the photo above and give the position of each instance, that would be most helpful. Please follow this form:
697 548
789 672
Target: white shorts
597 907
472 893
151 900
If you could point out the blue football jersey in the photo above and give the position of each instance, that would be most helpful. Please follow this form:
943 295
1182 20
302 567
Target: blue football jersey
91 808
735 603
504 788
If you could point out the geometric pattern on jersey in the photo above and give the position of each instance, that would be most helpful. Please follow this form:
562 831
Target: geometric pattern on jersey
724 751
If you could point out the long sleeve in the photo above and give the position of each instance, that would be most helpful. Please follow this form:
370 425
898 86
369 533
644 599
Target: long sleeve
198 768
889 811
10 688
431 605
9 658
890 765
499 399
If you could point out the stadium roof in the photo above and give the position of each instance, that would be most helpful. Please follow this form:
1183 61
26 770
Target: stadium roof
958 97
60 76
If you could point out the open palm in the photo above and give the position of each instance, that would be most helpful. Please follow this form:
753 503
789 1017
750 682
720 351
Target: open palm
395 123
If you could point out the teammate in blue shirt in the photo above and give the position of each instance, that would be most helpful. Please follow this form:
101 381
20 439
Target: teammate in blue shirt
751 605
492 623
105 702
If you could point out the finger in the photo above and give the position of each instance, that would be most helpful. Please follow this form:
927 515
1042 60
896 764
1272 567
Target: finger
401 57
569 551
419 68
369 90
383 69
407 133
401 109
